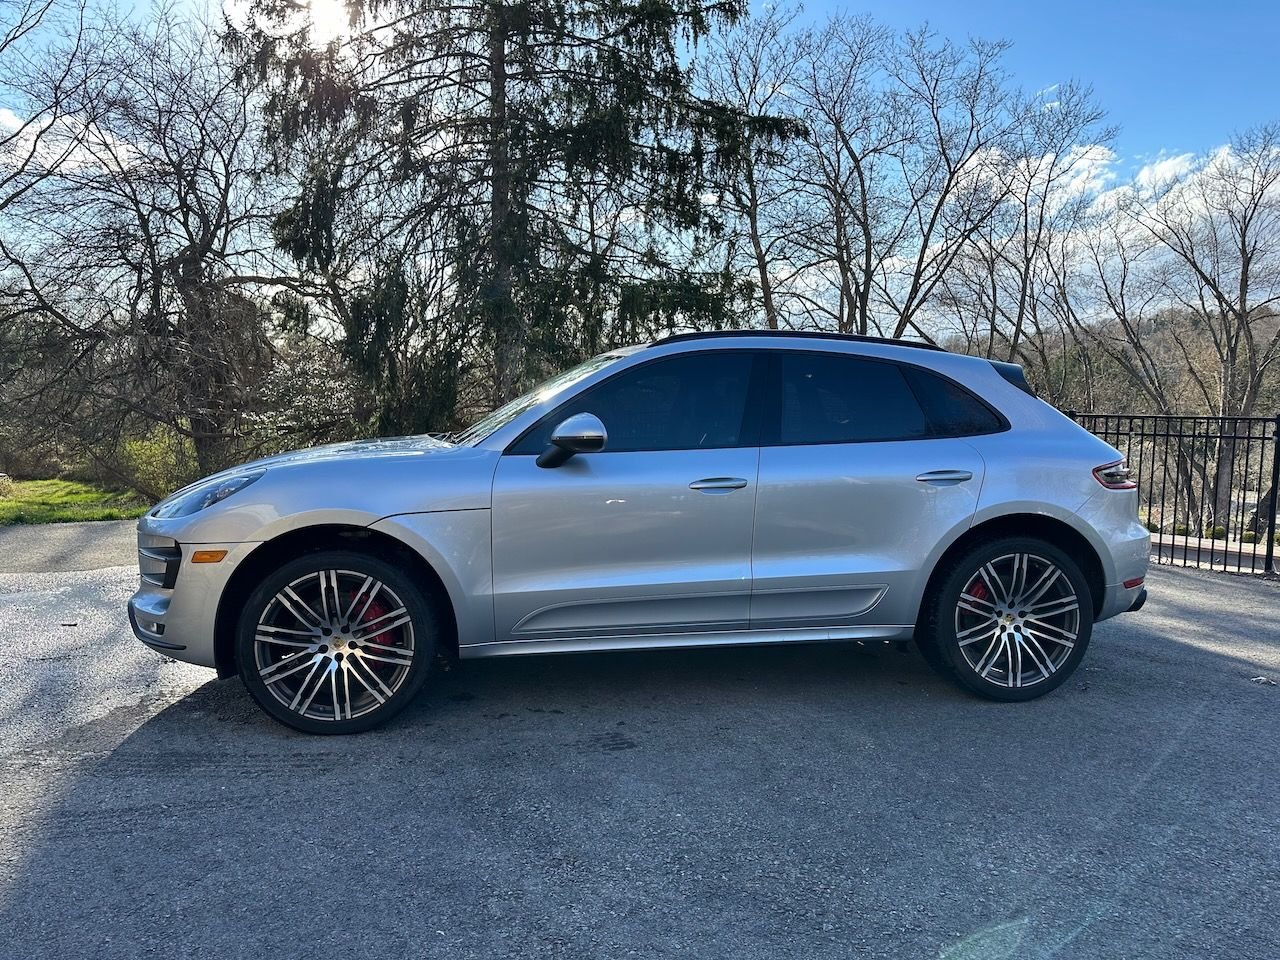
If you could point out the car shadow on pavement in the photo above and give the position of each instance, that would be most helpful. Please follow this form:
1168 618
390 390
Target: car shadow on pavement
806 801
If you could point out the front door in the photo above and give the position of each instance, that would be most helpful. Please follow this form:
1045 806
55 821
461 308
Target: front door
650 536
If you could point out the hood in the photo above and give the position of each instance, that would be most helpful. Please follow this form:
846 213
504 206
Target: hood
378 448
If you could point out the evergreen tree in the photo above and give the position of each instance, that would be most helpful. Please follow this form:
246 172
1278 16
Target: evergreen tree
533 173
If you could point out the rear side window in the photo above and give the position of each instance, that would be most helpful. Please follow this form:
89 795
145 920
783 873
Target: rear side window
952 410
829 398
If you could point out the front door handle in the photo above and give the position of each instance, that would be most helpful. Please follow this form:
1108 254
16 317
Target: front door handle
945 476
718 484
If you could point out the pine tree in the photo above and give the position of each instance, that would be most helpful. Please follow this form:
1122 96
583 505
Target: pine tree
540 167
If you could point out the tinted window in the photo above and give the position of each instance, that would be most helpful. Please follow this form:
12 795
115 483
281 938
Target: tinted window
952 410
828 398
688 402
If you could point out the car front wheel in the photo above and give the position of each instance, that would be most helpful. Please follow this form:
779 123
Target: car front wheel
335 642
1011 619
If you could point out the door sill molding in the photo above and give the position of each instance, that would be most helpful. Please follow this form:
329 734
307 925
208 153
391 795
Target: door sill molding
724 638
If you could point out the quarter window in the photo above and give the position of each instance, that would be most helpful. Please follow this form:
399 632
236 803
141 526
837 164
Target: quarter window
687 402
952 410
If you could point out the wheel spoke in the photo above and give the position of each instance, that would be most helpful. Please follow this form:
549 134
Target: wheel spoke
329 667
1047 580
979 632
333 689
346 688
1015 665
355 598
1057 641
992 579
294 603
1053 608
329 602
316 665
1018 578
971 603
1043 626
1042 662
400 656
992 653
285 631
383 624
295 662
278 642
376 679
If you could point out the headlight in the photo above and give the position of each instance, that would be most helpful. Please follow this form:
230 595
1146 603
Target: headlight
203 493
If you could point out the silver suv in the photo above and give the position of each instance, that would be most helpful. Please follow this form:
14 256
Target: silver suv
729 488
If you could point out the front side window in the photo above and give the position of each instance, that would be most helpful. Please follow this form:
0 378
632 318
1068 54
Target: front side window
831 398
692 401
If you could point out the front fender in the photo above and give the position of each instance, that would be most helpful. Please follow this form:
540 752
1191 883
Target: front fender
456 543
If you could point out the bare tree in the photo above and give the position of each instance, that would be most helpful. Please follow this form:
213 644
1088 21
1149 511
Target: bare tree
50 64
141 259
996 287
751 68
855 225
1218 227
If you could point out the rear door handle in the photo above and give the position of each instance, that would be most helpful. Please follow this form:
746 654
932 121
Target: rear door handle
718 484
945 476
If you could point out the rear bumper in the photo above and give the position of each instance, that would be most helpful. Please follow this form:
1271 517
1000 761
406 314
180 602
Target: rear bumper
1123 546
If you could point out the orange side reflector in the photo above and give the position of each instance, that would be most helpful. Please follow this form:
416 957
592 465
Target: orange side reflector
208 556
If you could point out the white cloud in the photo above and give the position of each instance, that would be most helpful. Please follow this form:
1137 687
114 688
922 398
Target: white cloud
1160 172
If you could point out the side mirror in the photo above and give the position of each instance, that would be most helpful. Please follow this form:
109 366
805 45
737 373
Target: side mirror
581 433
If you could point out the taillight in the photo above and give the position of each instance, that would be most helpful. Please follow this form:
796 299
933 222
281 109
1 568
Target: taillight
1115 475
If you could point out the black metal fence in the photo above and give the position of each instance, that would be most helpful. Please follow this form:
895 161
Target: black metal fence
1206 485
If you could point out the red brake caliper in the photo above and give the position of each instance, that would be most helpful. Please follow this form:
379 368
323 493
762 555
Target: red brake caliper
375 611
978 590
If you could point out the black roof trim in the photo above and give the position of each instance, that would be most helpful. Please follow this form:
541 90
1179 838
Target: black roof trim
811 334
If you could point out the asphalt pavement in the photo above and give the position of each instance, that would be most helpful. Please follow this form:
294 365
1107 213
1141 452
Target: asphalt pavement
809 802
43 547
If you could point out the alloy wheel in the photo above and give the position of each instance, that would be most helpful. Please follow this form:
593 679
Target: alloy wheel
1017 620
334 645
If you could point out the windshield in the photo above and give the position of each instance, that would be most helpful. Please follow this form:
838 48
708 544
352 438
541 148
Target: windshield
544 391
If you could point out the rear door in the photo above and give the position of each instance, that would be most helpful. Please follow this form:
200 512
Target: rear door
857 486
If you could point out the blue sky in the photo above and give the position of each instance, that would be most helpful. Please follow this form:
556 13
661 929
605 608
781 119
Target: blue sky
1176 76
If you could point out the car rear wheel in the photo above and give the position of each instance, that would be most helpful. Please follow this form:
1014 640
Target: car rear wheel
336 642
1011 619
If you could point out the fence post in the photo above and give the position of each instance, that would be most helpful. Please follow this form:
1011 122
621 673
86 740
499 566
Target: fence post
1269 565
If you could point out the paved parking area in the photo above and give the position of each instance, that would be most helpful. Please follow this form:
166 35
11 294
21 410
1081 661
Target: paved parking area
807 802
41 547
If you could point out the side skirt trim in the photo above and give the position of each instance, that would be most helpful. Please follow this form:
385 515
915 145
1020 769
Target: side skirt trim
727 638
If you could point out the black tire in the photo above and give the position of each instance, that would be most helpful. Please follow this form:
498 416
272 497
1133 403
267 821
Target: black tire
1001 650
321 669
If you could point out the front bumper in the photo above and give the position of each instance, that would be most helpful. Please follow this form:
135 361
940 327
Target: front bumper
180 620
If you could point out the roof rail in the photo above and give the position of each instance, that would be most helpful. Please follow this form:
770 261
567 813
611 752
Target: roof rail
812 334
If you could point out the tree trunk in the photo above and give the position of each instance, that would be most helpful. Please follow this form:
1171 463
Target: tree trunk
504 321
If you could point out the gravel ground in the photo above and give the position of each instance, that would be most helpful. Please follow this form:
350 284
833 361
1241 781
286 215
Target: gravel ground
807 802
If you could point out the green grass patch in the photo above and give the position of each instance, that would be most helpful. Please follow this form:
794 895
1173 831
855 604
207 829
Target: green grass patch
63 501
